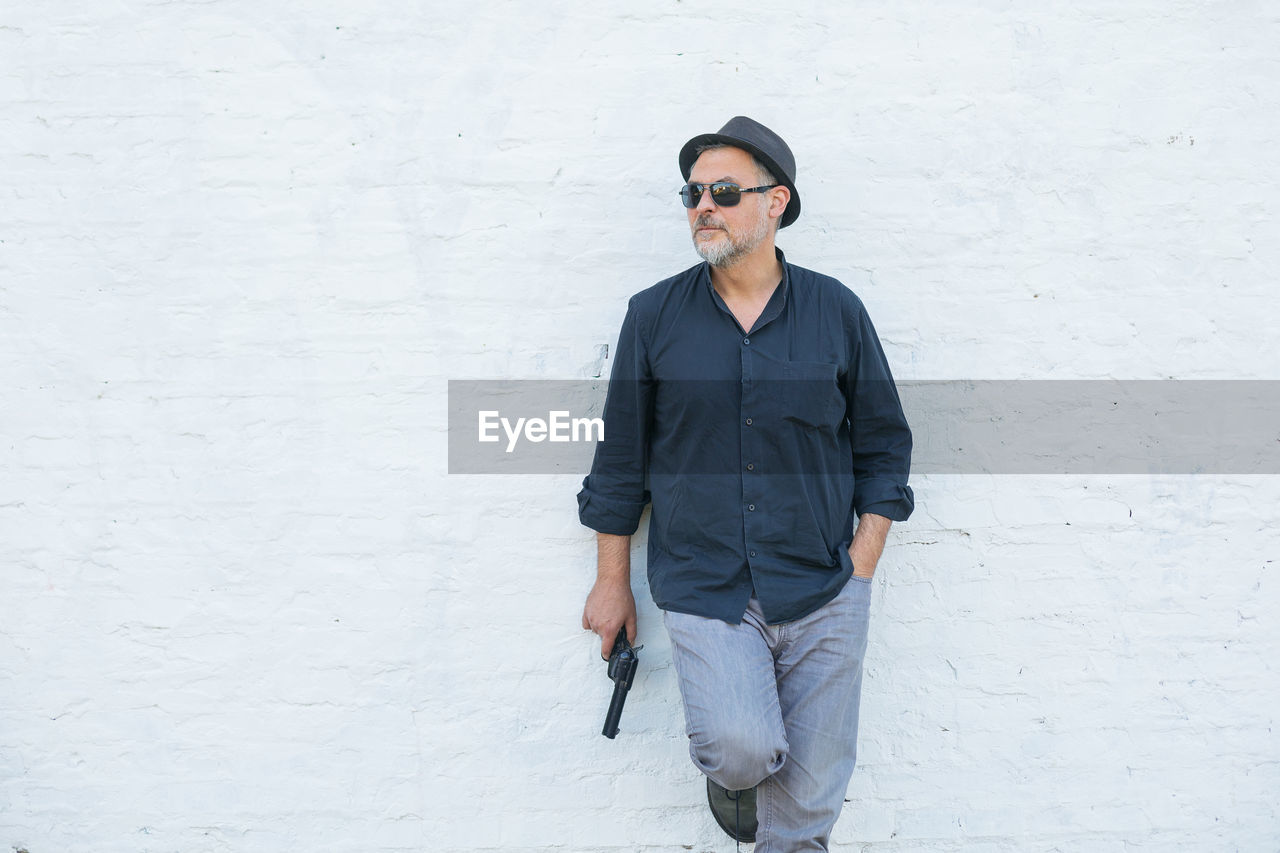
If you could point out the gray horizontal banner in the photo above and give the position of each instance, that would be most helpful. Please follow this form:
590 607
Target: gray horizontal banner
959 426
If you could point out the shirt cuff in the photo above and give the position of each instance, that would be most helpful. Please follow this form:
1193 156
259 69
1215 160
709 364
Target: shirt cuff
608 515
888 498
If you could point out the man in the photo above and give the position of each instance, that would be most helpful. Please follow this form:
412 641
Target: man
751 404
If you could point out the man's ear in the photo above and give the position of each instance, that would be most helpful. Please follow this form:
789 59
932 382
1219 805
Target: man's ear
779 198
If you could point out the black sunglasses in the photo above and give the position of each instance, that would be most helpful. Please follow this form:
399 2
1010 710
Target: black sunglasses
723 193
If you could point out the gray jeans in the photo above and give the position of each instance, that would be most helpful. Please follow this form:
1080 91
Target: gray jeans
777 706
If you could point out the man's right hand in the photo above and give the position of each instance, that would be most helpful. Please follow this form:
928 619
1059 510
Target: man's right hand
610 605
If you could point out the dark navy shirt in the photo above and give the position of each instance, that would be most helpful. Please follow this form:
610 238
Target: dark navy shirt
757 449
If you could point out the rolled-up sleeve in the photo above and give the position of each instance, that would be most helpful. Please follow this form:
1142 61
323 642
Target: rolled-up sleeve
613 495
878 430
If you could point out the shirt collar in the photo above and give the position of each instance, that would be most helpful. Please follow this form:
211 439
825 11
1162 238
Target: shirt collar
777 302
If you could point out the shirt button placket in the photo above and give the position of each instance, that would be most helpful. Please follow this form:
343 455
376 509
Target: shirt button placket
748 451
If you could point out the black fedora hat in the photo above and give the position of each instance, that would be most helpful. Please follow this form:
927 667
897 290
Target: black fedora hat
767 146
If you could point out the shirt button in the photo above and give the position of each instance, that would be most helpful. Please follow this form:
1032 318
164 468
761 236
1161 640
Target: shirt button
746 342
748 421
752 554
751 466
751 507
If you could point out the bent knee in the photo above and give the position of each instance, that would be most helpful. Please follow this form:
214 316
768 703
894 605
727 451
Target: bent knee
737 761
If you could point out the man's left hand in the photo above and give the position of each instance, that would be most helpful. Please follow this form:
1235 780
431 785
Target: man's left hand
868 544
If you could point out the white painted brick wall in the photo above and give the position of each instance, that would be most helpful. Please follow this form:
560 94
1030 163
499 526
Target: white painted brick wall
243 246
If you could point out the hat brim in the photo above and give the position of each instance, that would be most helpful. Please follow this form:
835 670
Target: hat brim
688 155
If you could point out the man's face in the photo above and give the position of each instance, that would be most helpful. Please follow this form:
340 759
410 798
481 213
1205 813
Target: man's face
722 236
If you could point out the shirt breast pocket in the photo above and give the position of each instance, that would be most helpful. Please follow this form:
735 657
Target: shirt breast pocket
809 395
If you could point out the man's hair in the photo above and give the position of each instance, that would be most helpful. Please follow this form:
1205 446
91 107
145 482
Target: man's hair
763 173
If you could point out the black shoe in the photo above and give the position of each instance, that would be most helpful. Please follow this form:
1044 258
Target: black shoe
735 811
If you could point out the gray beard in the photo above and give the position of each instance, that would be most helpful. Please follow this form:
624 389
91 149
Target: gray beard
723 254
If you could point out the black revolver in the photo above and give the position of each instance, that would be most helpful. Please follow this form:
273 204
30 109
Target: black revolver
622 670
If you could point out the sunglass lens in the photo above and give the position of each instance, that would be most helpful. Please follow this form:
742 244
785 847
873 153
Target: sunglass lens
725 194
